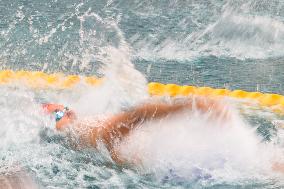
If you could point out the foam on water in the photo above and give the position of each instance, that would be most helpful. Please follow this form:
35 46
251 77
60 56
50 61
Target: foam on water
239 32
190 147
240 29
20 126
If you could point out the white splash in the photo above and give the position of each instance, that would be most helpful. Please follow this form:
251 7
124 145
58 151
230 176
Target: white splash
237 33
191 146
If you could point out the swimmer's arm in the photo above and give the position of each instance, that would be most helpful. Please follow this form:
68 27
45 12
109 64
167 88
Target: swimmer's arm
119 126
216 108
150 111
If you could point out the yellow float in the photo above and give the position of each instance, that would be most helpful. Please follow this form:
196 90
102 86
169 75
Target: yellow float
36 79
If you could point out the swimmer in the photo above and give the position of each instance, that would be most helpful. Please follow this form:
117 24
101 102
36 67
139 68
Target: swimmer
113 129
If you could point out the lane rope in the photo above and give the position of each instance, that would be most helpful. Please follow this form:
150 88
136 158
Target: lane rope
36 79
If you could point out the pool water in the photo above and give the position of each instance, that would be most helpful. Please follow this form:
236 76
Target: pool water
231 44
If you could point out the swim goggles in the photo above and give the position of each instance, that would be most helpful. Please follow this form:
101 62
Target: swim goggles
60 113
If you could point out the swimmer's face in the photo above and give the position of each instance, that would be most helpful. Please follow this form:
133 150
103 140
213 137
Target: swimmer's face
63 115
53 108
68 118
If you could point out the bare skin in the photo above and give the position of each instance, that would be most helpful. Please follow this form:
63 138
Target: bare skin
118 126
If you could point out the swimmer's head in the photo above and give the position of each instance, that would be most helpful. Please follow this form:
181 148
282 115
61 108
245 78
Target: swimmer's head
63 115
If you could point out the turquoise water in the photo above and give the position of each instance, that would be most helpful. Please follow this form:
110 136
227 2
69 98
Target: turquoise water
232 44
